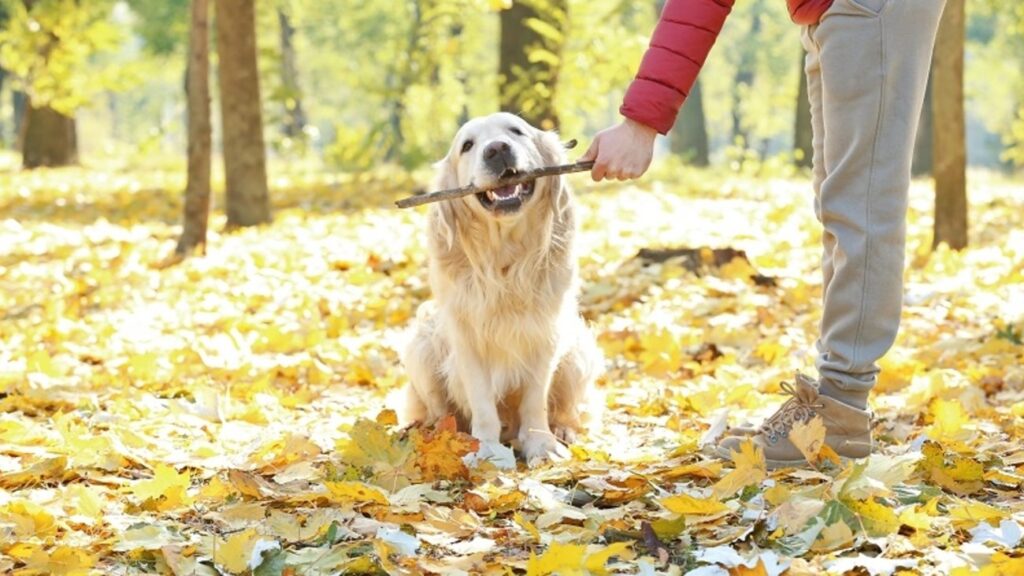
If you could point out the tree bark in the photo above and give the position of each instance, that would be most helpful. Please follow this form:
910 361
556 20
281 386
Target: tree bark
803 131
745 76
3 76
530 62
245 168
19 104
48 138
197 92
925 142
294 116
690 135
950 146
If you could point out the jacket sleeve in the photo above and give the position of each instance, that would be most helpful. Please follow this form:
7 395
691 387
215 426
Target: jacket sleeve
681 41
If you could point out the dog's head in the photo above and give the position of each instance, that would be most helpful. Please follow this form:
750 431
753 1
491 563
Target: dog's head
498 146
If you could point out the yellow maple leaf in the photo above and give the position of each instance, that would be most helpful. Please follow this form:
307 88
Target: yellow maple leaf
84 447
950 422
878 519
29 519
595 562
167 489
809 437
699 469
216 490
963 475
372 444
562 559
42 363
574 559
686 504
242 551
62 561
916 518
387 418
355 493
750 468
87 501
969 513
1000 565
439 452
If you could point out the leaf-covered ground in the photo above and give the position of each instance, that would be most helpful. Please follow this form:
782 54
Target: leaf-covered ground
227 415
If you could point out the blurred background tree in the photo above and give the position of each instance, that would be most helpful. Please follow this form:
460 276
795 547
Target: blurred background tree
51 51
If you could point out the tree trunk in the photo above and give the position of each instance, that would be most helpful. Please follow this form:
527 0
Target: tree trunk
690 135
197 92
245 168
949 130
294 117
19 103
3 125
528 86
399 79
745 76
803 132
925 142
48 138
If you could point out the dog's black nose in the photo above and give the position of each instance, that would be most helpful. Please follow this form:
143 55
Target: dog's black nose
498 156
495 148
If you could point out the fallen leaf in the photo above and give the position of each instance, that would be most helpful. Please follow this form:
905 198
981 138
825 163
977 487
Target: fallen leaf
686 504
62 561
243 551
750 468
809 437
355 493
167 490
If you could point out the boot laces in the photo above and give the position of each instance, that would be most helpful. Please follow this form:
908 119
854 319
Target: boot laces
801 407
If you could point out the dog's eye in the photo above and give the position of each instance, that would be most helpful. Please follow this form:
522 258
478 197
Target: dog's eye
467 146
517 131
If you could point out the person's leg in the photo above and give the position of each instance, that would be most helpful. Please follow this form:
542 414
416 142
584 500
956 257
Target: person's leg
812 68
874 59
867 65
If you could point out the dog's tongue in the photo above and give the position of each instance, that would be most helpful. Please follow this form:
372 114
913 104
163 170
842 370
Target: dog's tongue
505 192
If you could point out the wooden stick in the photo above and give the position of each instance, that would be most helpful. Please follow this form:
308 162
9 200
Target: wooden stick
521 178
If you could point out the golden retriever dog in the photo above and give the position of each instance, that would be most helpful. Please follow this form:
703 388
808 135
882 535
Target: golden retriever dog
502 346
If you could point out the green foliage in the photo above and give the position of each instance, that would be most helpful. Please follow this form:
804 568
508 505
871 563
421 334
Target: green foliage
162 24
751 79
995 50
51 47
416 69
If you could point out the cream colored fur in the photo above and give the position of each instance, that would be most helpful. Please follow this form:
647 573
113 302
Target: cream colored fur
502 345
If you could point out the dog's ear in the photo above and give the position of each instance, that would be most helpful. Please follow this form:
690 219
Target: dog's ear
553 153
551 148
445 177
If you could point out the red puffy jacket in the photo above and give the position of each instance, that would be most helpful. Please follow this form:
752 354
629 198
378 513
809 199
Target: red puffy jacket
685 34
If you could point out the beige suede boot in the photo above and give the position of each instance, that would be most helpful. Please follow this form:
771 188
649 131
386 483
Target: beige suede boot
847 429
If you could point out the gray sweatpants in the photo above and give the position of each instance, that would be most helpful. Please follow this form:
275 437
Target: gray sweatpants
867 67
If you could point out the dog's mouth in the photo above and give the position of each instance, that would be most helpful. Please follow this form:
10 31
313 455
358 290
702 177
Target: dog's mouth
507 199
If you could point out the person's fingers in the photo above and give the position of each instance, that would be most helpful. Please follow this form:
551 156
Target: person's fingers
599 171
591 152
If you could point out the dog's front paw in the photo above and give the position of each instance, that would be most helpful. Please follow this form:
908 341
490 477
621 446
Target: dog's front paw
541 447
566 434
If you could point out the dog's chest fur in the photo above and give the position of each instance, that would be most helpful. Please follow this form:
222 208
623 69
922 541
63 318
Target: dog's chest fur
507 293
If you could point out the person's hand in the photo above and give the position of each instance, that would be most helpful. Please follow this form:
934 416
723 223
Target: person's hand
622 152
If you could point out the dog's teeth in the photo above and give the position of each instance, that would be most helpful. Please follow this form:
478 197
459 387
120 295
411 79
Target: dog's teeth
490 195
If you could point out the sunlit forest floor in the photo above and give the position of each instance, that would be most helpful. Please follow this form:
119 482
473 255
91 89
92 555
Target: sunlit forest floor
227 413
